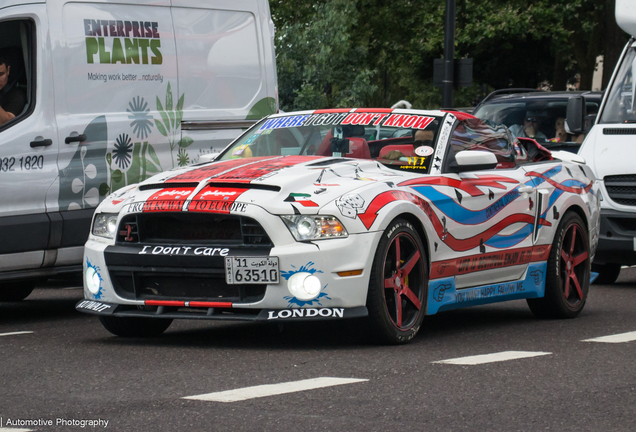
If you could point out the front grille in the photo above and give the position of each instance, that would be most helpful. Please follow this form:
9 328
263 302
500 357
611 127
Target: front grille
619 131
192 228
175 284
621 189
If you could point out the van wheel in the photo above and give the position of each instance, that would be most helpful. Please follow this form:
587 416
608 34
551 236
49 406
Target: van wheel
16 291
568 274
396 299
607 273
135 327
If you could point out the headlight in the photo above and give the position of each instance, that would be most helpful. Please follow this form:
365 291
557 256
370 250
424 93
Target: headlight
105 225
314 227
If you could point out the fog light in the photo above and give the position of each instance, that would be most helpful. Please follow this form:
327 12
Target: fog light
304 286
93 280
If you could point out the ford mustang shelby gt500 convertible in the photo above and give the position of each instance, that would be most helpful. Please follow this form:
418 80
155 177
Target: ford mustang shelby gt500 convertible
332 214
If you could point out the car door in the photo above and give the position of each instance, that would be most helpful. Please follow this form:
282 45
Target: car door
28 143
493 215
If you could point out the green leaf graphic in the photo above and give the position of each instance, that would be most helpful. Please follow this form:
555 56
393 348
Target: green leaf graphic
150 167
179 109
185 142
164 116
153 154
160 128
117 176
104 189
169 99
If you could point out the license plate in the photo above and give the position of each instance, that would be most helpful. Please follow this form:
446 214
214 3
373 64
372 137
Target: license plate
251 270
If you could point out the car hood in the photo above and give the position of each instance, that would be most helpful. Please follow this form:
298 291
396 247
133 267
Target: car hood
280 185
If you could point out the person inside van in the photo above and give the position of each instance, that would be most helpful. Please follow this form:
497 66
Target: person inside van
12 98
562 135
530 126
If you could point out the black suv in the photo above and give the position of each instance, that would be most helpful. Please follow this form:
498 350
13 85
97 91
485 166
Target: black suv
542 112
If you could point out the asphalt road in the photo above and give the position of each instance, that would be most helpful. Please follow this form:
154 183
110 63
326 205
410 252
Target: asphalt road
62 367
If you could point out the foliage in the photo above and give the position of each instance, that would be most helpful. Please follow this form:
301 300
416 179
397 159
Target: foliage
334 53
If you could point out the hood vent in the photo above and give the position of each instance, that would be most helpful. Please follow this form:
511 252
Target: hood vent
273 188
210 184
167 185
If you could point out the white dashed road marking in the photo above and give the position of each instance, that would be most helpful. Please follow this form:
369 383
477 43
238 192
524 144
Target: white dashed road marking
273 389
491 358
15 333
617 338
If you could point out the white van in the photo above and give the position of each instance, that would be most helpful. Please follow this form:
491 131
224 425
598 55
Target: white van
610 150
115 92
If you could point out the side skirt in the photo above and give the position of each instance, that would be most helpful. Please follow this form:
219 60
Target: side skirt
442 294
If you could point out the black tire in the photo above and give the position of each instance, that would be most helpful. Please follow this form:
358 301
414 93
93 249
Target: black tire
607 273
568 274
16 291
135 327
396 299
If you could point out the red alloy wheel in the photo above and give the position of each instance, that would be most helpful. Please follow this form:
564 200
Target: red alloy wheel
403 281
573 264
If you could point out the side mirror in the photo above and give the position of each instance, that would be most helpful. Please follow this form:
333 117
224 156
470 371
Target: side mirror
473 160
575 116
208 157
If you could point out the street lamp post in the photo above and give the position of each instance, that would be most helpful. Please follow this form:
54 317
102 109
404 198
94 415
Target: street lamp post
449 55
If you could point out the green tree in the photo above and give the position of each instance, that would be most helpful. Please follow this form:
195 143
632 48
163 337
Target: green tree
333 53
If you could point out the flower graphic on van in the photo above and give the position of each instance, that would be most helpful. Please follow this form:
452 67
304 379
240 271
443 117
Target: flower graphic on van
141 120
122 151
182 158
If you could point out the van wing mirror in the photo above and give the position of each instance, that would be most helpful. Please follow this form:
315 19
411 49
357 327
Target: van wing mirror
577 119
574 121
473 160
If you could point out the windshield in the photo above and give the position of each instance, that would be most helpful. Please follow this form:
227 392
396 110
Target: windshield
401 141
540 119
619 107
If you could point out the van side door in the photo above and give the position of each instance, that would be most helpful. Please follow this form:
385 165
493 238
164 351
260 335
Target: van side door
117 63
28 142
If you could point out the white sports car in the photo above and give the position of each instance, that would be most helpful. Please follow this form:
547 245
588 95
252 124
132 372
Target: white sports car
332 214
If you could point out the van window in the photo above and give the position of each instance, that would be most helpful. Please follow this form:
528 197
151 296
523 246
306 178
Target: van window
16 71
220 49
620 106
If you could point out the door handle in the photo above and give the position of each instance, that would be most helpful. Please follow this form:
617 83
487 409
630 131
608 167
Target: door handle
526 189
41 143
77 138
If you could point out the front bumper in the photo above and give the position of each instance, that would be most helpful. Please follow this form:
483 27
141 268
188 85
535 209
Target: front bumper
220 312
617 242
192 286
